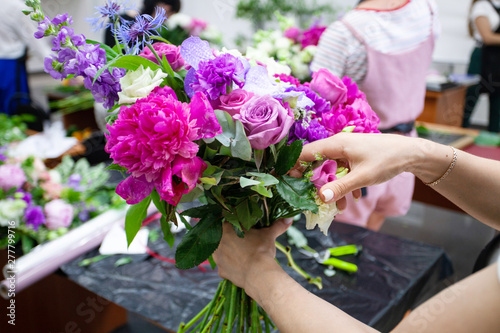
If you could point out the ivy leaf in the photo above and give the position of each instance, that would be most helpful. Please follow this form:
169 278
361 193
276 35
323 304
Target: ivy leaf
297 192
199 243
288 156
133 220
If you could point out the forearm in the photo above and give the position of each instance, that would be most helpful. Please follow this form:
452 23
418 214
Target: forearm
293 308
471 305
472 184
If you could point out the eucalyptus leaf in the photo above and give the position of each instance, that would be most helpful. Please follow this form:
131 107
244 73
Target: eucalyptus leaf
288 156
297 192
245 182
265 178
228 128
133 220
199 243
240 146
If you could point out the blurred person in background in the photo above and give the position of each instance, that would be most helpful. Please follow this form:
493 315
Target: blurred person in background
484 27
16 43
386 47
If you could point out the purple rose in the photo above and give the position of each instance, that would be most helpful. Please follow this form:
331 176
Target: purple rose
232 102
11 176
172 54
266 121
59 214
324 174
329 86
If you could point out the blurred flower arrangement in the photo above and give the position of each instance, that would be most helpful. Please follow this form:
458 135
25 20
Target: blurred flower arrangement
291 45
44 204
181 26
192 123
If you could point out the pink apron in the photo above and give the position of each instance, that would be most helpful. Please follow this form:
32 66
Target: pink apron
395 88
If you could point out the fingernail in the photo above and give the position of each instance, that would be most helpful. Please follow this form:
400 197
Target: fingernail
288 220
356 199
341 212
328 195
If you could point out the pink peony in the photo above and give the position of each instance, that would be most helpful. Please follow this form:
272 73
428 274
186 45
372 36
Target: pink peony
172 54
311 36
266 121
324 174
293 33
360 115
11 176
329 86
153 140
59 214
197 26
233 101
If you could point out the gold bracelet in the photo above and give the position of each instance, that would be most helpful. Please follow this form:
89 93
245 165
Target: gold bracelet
452 164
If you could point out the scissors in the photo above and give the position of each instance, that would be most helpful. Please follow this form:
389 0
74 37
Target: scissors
326 257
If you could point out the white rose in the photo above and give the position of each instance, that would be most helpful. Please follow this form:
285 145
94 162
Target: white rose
274 67
139 84
324 217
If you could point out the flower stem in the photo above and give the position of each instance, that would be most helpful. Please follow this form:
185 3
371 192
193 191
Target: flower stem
215 317
255 316
156 54
287 251
243 314
215 301
232 305
184 327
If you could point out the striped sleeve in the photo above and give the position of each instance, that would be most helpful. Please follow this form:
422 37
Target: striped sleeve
341 53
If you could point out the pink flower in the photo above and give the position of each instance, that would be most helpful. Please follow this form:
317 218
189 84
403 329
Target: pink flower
359 114
288 78
59 214
329 86
266 121
324 174
172 54
52 190
153 140
293 33
353 91
11 176
233 101
311 36
197 26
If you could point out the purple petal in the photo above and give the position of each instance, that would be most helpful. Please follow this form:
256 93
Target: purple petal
257 81
203 113
134 190
188 80
194 50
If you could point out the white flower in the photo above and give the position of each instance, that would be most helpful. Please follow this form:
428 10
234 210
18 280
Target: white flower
139 84
233 52
11 210
179 20
300 70
256 54
307 54
266 47
55 176
324 217
282 43
274 67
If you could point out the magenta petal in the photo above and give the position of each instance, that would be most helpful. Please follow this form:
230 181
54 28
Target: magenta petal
189 170
134 190
206 122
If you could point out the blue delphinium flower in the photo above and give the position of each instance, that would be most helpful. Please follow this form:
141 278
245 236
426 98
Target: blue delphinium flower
139 32
107 15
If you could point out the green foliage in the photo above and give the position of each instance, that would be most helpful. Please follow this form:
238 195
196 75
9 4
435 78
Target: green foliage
288 156
12 128
297 193
135 215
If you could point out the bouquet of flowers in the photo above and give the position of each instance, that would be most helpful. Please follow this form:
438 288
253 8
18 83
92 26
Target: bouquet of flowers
291 45
41 204
191 123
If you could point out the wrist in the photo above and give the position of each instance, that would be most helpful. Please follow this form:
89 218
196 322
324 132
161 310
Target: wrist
429 160
261 275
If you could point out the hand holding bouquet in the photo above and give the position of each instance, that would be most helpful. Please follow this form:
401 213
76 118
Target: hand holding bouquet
195 123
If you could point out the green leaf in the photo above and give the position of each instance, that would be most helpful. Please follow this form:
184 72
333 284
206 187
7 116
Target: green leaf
262 190
133 220
228 128
167 233
249 213
240 146
202 211
288 156
116 167
27 243
208 180
258 157
199 243
123 261
265 178
132 62
212 262
108 64
297 192
245 182
185 222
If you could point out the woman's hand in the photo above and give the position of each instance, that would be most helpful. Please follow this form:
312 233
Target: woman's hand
372 159
239 258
